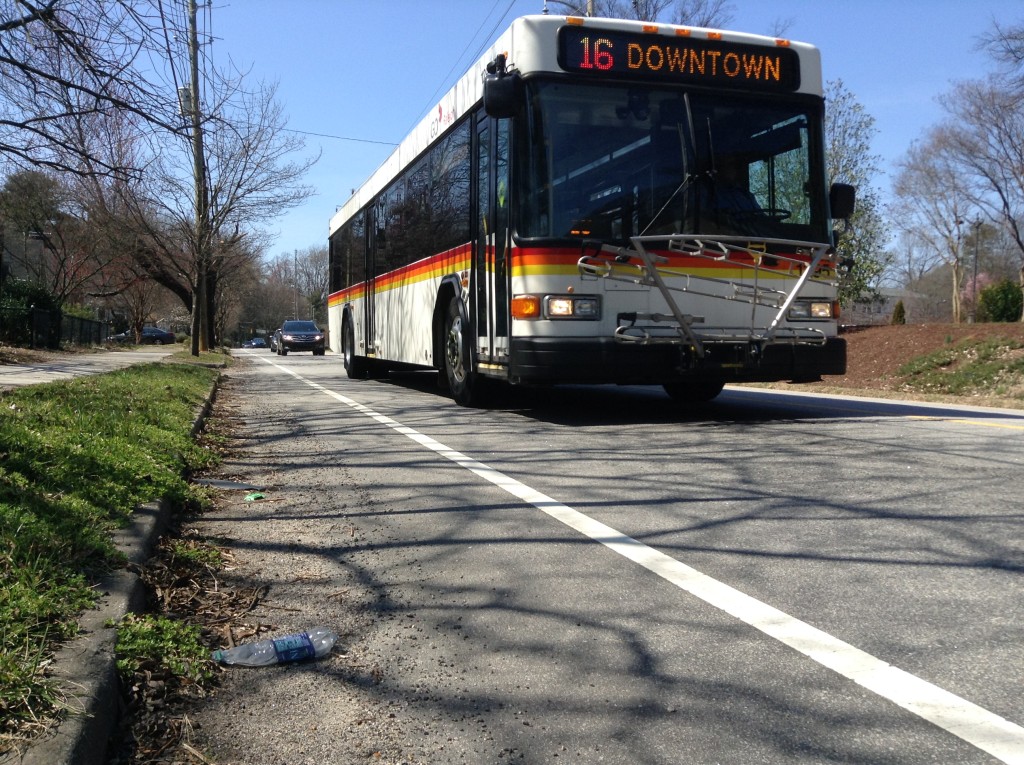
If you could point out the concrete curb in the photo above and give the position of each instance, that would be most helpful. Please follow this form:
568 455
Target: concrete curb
85 667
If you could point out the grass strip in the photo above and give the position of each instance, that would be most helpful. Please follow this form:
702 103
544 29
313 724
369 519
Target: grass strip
994 366
76 458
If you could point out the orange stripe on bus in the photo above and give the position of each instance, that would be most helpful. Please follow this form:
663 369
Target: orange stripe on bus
540 261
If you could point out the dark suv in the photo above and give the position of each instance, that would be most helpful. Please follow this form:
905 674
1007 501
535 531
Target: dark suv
299 336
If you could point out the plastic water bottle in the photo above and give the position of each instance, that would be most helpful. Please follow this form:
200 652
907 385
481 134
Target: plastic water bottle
303 645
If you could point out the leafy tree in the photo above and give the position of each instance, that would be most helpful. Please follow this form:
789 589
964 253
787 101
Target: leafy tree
848 133
54 234
30 200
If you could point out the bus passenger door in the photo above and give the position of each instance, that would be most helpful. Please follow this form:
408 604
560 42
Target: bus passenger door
374 259
490 257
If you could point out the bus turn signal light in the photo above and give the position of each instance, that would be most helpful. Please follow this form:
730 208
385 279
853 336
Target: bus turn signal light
525 307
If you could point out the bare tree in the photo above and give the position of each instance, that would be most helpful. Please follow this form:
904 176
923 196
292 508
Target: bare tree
136 299
985 138
69 66
1005 43
64 60
698 13
934 205
312 278
250 179
912 259
703 13
277 298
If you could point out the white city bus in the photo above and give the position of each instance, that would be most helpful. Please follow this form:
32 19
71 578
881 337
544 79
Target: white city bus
601 201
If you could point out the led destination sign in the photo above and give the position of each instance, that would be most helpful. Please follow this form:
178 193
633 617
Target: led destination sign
679 59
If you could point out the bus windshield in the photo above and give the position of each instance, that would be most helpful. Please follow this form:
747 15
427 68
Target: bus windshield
613 161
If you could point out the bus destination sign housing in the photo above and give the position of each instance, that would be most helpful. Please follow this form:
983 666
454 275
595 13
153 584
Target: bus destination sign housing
678 58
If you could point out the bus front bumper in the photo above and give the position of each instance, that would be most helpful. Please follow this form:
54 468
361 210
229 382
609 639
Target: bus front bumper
538 361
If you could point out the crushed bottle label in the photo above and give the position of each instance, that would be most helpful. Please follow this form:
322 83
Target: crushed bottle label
294 648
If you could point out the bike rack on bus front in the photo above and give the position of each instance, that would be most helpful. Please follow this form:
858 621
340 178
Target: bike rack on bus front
619 264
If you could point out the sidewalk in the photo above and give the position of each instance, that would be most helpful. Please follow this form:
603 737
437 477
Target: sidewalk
63 366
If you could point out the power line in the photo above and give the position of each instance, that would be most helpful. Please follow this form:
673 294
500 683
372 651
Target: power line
340 137
455 65
487 39
445 83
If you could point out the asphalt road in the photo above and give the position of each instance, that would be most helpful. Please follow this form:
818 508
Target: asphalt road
592 575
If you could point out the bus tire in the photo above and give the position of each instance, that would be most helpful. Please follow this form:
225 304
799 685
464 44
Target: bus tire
355 366
463 383
694 391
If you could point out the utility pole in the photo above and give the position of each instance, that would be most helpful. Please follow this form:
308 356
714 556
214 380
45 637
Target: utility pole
589 11
200 305
974 279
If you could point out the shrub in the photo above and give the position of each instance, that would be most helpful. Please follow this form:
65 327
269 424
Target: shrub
899 314
1000 302
20 294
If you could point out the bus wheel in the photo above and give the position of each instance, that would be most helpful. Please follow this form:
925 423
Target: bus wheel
457 356
355 366
694 392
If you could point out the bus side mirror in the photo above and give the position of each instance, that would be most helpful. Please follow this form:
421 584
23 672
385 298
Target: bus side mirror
501 90
842 200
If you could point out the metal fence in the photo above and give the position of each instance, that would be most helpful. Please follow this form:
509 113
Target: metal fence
43 328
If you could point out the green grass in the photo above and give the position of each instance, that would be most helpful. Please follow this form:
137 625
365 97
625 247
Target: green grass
76 459
994 366
159 645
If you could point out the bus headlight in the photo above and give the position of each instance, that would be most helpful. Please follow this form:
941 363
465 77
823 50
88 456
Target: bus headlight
587 307
811 309
578 307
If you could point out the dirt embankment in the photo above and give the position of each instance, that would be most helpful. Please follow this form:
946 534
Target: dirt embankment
875 354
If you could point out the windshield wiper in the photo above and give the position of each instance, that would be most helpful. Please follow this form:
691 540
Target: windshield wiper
688 176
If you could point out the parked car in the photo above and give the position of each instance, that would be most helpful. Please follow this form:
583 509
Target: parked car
150 336
299 336
256 342
155 335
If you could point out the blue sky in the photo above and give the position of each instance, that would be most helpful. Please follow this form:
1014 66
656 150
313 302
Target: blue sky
370 69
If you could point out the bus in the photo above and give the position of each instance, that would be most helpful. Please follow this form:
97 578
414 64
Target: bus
602 201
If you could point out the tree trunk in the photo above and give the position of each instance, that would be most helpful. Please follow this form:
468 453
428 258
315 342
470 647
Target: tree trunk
1020 281
957 307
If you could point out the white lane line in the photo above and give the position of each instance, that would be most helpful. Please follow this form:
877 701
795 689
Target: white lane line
985 730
